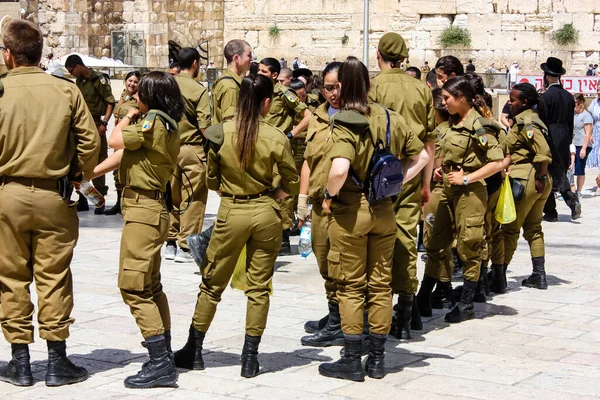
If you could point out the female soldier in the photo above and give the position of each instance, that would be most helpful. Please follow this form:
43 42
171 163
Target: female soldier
470 153
444 274
242 155
147 153
448 67
313 180
362 234
128 100
530 156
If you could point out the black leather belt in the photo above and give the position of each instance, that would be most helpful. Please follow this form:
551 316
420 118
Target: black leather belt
134 193
40 183
246 196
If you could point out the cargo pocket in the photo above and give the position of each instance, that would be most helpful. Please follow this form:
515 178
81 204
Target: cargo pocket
208 266
473 232
142 215
334 266
132 274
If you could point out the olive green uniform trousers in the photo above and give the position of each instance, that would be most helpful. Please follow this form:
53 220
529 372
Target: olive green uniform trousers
529 217
320 247
38 232
408 212
256 224
362 245
444 273
189 175
494 239
145 230
461 212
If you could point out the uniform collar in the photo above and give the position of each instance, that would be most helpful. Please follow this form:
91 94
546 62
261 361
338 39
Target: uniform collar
470 121
185 75
321 111
520 119
24 70
396 71
232 74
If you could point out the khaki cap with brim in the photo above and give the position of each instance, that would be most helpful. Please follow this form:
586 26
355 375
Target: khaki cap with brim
392 46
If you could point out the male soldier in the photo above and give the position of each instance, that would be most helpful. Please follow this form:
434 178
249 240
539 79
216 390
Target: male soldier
412 99
188 185
47 133
226 89
285 77
284 108
98 96
558 110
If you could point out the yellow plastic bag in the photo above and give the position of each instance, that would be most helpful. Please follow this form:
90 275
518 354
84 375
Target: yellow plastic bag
238 280
506 212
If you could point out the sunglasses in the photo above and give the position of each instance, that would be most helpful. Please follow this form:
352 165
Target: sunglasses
331 88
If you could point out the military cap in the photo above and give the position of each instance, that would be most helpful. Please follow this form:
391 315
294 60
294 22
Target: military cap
392 46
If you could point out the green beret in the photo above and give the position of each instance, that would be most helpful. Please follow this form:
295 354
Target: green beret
392 46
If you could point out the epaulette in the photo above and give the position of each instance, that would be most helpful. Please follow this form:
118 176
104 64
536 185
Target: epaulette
482 123
60 77
225 77
170 123
149 121
215 135
291 95
533 120
99 76
351 119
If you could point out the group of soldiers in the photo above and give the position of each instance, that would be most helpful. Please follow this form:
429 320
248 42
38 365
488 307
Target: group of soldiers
39 161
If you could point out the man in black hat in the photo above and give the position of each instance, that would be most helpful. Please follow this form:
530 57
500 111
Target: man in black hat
557 109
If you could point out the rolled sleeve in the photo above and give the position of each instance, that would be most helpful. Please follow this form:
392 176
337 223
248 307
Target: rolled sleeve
494 152
86 136
133 138
343 143
203 111
213 170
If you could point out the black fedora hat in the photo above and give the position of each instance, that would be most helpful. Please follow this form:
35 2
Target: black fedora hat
302 72
553 66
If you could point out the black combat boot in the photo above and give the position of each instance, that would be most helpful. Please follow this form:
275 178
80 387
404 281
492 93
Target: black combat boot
314 326
18 370
424 295
116 209
538 278
250 364
375 365
331 334
168 343
402 316
416 323
61 371
348 367
286 248
464 310
479 296
190 355
420 245
198 243
498 283
159 371
442 292
457 270
82 203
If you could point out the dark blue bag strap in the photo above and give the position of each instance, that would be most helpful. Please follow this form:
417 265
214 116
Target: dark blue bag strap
387 131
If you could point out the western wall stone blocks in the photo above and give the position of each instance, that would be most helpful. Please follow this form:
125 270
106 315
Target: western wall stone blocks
474 6
513 22
523 6
434 23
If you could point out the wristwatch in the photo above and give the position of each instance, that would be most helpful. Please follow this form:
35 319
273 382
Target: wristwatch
327 195
289 135
541 177
104 123
465 180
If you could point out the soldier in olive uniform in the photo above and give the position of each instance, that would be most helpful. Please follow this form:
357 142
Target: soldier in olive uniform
226 89
530 156
127 101
146 155
470 154
315 169
39 228
188 185
411 99
362 234
286 105
98 96
242 155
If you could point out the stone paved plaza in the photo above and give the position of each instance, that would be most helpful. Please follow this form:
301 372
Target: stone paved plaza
524 344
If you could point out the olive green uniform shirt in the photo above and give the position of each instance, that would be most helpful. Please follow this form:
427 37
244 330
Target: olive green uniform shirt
284 108
351 143
46 127
312 102
318 145
272 149
409 97
526 144
151 150
97 93
225 93
470 145
126 103
197 110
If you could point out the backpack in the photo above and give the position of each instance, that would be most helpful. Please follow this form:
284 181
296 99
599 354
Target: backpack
385 173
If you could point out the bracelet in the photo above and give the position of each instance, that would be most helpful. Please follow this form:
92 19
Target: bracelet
541 177
104 123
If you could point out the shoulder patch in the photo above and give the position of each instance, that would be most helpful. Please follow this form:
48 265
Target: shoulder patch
483 139
103 80
530 132
291 96
149 122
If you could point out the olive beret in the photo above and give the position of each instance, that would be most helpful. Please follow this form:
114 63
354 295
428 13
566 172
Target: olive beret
392 46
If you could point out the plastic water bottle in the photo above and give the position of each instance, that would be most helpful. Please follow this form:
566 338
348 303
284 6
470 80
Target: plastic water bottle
92 195
305 243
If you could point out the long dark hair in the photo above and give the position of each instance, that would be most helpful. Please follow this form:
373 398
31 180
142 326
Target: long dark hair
529 93
459 86
482 98
253 91
450 64
438 104
132 73
159 91
354 78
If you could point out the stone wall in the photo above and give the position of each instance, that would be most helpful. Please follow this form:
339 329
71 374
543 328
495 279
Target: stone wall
84 26
502 31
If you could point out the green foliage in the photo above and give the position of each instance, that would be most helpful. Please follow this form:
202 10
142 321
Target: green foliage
455 36
274 31
565 36
345 39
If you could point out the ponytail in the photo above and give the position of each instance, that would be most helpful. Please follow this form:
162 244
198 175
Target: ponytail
253 91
